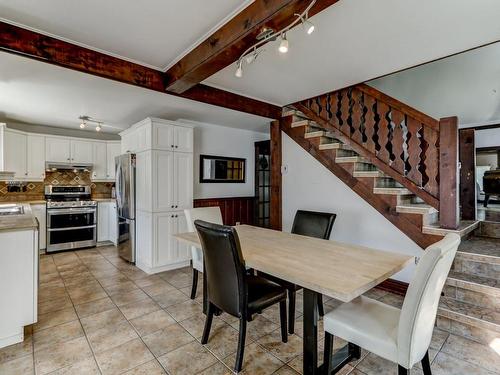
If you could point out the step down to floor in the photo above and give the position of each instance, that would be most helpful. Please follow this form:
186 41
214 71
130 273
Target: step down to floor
465 227
466 313
475 283
415 208
298 122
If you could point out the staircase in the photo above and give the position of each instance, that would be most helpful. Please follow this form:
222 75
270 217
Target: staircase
471 303
385 151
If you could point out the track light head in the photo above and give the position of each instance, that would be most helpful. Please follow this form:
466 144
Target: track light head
98 127
251 57
283 48
239 70
308 27
83 125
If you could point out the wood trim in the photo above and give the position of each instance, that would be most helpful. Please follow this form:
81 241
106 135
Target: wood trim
483 127
27 43
433 201
448 173
467 152
226 45
394 286
276 160
233 209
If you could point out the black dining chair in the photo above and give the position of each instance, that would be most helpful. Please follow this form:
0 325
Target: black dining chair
230 288
311 224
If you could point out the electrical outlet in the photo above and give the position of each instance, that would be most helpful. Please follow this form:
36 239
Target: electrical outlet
284 169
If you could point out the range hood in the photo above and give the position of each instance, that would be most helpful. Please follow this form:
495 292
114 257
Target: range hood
53 166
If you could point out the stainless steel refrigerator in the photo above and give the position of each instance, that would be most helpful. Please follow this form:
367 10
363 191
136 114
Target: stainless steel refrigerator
125 205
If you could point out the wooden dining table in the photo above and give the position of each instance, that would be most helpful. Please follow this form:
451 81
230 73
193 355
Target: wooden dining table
338 270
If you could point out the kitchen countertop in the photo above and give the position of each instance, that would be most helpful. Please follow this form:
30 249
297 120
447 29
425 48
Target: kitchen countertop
19 222
43 201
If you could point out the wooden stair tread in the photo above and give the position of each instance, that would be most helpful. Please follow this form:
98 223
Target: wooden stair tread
368 173
464 228
415 208
467 313
392 190
303 122
473 282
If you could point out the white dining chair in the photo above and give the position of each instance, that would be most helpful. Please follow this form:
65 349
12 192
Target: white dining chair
401 335
211 215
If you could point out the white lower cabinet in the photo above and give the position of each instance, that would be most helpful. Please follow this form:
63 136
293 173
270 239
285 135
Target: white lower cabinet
39 210
164 252
106 222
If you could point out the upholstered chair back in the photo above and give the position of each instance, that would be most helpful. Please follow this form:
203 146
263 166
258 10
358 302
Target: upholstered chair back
420 306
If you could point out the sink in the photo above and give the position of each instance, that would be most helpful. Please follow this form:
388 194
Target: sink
11 209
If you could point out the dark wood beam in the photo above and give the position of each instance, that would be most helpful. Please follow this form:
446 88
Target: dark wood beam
226 45
27 43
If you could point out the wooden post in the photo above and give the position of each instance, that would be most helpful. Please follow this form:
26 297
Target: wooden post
275 208
448 173
467 152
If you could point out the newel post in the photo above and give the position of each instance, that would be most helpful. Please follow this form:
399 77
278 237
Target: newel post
275 206
448 173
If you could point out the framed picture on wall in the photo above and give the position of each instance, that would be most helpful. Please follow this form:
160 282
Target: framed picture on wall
222 169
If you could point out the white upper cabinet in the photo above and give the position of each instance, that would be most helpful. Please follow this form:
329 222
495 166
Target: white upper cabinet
82 151
183 139
163 136
113 150
164 181
99 161
183 182
15 158
36 156
58 149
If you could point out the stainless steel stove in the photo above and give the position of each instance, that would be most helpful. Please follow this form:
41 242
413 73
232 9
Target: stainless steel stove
71 217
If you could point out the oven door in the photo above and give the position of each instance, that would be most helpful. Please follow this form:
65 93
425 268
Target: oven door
71 228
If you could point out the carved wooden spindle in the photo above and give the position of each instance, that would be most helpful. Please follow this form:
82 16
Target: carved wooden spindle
397 141
414 151
357 112
383 132
370 123
323 102
344 112
431 161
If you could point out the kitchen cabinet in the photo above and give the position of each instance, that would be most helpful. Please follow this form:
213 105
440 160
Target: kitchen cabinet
58 149
15 153
99 161
35 157
183 180
168 250
82 152
39 210
183 139
106 222
113 150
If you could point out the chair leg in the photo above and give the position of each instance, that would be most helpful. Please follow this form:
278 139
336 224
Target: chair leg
328 353
241 345
354 351
403 371
208 323
291 311
194 284
426 365
321 310
284 335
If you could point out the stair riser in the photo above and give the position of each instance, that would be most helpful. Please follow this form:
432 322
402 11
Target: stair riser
477 298
429 219
476 268
481 335
489 229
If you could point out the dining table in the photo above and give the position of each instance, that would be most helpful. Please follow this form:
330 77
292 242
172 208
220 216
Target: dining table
339 270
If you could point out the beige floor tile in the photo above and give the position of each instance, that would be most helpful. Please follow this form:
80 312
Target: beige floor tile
256 361
108 280
137 309
124 357
180 280
61 355
218 369
445 364
170 298
55 305
18 366
148 368
80 279
258 327
15 351
152 322
97 321
286 370
51 293
125 298
184 310
121 287
168 339
159 287
88 366
55 318
375 365
188 359
195 324
223 341
111 336
58 334
86 294
283 351
393 300
148 280
438 338
46 278
94 307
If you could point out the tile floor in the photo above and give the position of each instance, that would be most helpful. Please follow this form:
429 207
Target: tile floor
100 315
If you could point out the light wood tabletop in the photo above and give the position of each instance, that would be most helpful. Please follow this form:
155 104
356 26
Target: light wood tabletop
336 269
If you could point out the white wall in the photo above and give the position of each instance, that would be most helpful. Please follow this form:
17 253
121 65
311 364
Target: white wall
218 140
309 185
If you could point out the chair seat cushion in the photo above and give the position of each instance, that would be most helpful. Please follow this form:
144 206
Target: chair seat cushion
367 323
263 293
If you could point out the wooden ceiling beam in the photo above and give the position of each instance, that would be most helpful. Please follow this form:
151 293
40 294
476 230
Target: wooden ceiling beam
226 45
27 43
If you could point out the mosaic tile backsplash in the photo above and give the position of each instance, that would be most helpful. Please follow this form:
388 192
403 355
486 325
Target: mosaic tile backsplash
35 190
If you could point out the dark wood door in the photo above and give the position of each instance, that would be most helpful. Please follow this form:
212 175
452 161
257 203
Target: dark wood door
262 183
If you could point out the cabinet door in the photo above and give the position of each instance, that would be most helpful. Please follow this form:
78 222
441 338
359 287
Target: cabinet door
15 154
113 150
183 249
99 161
183 139
164 181
102 221
183 181
57 150
82 151
113 223
36 157
39 212
165 244
163 137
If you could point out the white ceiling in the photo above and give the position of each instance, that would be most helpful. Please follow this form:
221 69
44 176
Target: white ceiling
358 40
40 93
152 32
465 85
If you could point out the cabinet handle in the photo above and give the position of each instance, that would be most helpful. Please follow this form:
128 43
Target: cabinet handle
172 146
172 206
176 146
171 215
26 173
176 215
176 206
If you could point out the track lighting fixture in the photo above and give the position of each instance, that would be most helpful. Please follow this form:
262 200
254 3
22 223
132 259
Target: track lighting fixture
83 125
86 119
98 127
251 54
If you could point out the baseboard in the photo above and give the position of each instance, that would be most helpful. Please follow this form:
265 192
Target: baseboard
168 267
13 339
394 286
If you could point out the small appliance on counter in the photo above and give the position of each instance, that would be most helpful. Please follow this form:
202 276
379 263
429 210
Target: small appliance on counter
71 217
125 205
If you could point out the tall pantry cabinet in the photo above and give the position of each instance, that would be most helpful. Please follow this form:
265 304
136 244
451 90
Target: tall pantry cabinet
164 188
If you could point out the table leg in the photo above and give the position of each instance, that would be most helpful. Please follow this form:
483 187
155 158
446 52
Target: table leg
310 341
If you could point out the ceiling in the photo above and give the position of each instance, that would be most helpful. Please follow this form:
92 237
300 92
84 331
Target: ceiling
39 93
359 40
151 32
465 85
